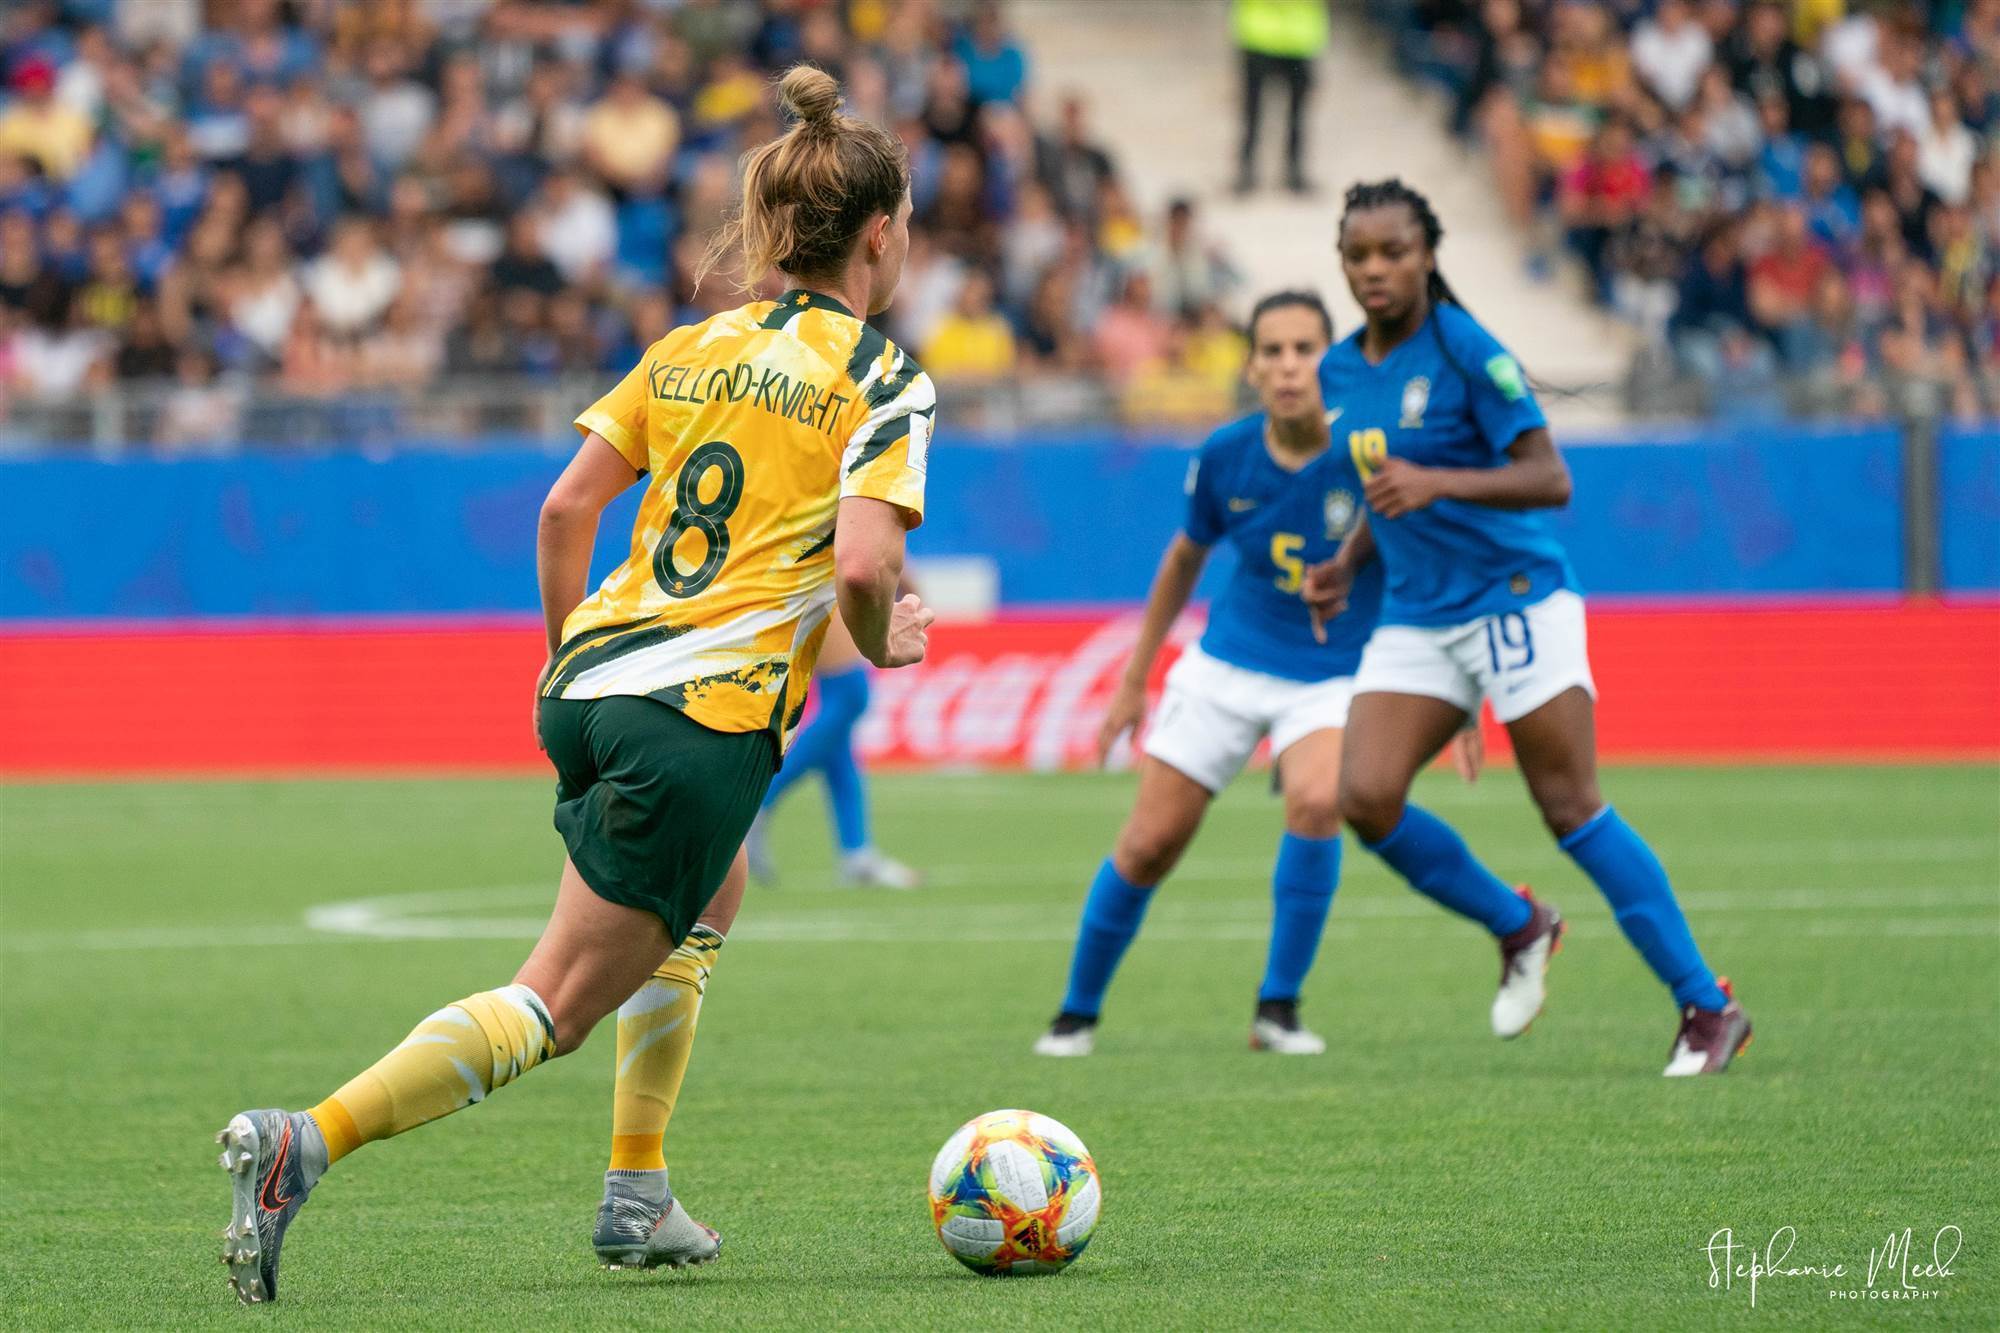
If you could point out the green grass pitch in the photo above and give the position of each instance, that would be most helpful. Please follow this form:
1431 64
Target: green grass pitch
159 970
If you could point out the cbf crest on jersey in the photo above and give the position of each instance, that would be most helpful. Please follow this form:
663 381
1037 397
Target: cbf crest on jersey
1340 508
1416 397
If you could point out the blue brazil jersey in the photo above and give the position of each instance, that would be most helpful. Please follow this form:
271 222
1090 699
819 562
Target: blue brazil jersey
1448 396
1278 522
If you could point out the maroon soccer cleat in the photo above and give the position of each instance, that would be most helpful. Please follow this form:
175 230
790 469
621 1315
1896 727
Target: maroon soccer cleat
1524 965
1709 1039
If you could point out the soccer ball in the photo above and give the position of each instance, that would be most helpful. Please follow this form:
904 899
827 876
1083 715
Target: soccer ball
1014 1192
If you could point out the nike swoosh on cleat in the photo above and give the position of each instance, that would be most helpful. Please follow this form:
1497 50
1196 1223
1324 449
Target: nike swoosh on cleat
269 1199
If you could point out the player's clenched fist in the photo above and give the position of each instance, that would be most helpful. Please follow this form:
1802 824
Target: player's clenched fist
909 632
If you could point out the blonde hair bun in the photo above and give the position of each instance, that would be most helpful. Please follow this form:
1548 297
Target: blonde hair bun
811 94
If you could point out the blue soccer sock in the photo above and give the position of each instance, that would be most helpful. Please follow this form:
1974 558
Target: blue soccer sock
847 793
1302 884
1632 880
1111 917
843 700
1427 852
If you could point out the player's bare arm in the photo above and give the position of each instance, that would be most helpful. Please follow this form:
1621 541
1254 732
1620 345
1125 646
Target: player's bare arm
1173 584
565 534
868 565
1534 477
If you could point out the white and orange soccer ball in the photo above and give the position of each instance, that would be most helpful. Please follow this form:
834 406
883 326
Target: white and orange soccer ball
1015 1192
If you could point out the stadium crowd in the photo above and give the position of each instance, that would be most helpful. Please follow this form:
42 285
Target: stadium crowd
1800 204
325 201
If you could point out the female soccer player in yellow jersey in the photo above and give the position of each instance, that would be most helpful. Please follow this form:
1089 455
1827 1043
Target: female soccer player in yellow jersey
671 691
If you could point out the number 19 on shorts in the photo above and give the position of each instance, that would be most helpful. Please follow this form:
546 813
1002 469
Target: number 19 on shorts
1510 642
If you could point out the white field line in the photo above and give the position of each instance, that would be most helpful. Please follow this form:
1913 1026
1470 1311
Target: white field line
1931 911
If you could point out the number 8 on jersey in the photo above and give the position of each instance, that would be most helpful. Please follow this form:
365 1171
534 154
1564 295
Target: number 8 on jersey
709 518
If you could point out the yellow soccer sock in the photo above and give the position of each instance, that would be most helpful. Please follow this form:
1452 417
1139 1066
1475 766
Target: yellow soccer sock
453 1059
655 1036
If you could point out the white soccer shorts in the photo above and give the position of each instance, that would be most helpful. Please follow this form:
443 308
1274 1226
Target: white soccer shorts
1518 660
1212 715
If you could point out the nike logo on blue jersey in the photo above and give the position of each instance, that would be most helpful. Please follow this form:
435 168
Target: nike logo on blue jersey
1241 506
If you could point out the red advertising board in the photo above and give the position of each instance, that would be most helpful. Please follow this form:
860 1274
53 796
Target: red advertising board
1874 681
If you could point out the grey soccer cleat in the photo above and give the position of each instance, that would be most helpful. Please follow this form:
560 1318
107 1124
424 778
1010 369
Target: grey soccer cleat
634 1232
273 1159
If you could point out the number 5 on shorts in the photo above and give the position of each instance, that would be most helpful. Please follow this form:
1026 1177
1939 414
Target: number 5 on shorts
1510 643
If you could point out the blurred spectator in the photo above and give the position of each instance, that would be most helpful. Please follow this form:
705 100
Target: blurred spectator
995 66
403 353
1132 336
1189 274
145 353
109 295
1784 280
1731 122
40 127
266 165
218 125
1602 195
54 356
1502 81
201 409
1671 52
1071 164
353 283
972 342
397 112
1279 40
1781 155
957 216
1029 245
629 138
1913 200
1765 62
576 227
1891 85
1946 150
543 124
1857 142
263 294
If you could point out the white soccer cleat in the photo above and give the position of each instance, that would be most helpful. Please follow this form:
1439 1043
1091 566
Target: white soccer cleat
1524 967
1070 1034
869 869
1277 1029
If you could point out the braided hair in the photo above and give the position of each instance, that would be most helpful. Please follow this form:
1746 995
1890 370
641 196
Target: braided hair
1379 194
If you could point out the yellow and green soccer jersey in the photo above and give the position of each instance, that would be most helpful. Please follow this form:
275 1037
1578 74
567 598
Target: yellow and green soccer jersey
752 425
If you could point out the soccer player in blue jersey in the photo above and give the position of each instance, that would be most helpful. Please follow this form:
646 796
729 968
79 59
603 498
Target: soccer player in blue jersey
1479 603
826 746
1271 487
